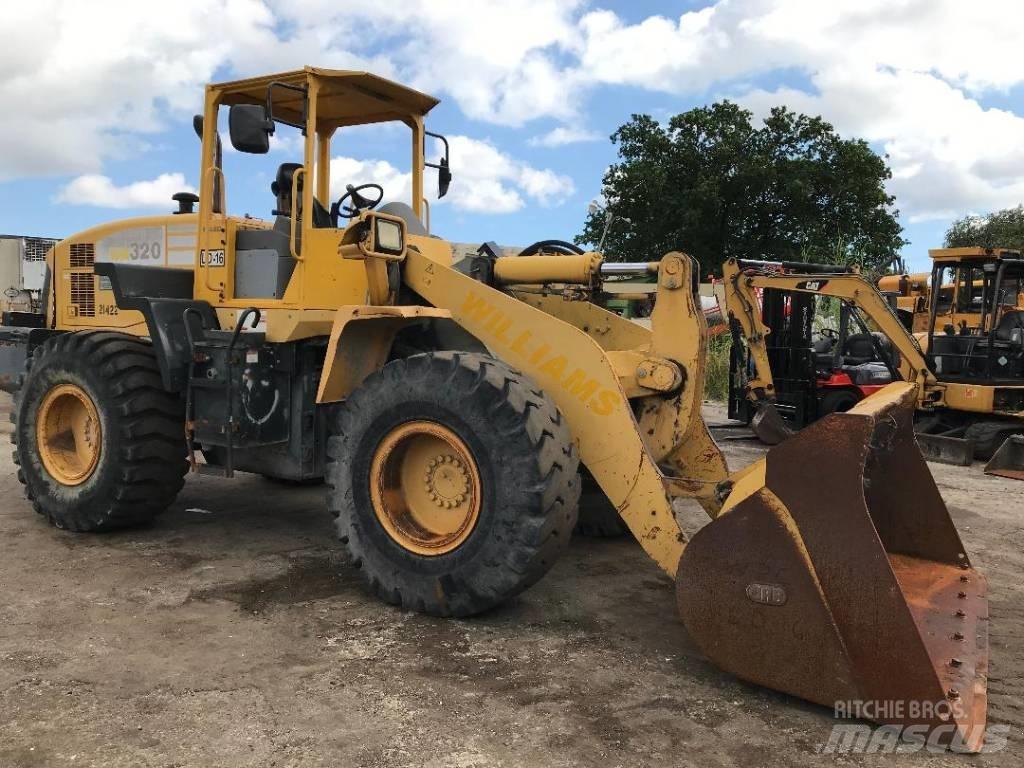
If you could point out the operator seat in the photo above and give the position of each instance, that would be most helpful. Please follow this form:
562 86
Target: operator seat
263 257
859 348
281 188
1008 323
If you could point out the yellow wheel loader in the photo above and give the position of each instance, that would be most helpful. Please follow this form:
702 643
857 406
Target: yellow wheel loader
451 409
969 386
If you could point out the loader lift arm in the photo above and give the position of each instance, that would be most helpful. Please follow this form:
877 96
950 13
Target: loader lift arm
589 384
822 575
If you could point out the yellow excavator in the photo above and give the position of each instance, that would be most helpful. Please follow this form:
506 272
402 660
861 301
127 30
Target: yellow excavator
450 407
969 386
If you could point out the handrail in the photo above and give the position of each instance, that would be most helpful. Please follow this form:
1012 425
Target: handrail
223 195
299 172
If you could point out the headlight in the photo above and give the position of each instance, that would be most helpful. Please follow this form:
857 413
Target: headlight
389 236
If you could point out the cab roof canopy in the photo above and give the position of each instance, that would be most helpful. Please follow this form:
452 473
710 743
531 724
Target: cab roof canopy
953 254
345 97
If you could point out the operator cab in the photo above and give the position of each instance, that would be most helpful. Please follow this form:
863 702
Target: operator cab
976 329
307 222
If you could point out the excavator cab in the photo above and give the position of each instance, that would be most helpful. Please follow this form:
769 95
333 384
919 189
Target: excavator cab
976 329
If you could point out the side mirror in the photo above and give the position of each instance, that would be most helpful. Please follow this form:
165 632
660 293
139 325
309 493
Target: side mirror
444 178
444 171
250 128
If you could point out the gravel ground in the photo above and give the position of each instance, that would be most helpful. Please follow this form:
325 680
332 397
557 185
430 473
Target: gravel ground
232 633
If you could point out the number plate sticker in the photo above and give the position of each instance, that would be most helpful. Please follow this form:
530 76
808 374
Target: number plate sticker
211 258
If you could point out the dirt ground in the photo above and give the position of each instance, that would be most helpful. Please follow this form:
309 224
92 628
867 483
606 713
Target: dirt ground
232 633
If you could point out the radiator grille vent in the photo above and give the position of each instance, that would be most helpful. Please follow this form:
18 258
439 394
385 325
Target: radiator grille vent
82 255
83 293
37 247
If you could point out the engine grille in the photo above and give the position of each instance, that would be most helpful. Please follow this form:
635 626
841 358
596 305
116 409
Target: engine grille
83 293
82 255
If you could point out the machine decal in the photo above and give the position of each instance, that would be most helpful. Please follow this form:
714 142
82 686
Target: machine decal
211 258
576 382
766 594
181 245
141 246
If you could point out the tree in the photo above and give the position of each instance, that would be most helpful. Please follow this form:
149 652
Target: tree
1001 229
712 184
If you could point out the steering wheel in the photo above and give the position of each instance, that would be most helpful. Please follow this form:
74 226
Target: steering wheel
340 210
830 333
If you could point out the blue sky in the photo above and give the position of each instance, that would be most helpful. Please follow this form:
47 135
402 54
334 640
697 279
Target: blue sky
98 124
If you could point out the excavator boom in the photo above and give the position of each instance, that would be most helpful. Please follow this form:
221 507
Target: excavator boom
970 395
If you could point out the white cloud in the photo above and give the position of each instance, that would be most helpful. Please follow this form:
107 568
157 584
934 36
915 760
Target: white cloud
486 180
884 70
86 82
907 74
101 192
562 135
347 170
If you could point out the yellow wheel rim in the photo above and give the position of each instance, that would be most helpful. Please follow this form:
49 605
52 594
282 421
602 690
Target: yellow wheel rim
68 434
425 488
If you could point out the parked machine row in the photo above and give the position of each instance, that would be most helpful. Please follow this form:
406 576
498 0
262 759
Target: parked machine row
788 369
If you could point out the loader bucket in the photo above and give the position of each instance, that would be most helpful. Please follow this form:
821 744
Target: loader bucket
1008 461
835 574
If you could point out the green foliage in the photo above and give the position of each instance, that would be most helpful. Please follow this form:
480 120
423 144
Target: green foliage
1001 229
712 184
716 368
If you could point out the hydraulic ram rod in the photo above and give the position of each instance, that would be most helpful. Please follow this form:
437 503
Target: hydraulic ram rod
629 268
797 266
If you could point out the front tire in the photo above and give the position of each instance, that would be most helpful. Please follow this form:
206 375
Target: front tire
99 443
838 401
453 480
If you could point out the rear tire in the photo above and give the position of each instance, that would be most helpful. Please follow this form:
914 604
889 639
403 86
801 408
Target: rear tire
598 518
515 476
99 443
